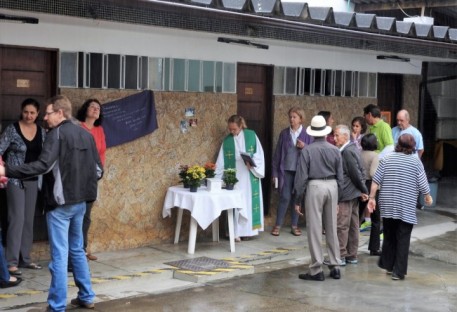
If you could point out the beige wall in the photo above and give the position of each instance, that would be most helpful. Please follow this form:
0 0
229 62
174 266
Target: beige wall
411 97
128 212
343 110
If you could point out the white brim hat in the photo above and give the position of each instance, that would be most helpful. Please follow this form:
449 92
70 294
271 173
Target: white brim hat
318 127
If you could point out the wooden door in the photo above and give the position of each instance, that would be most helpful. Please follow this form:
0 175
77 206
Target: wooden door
390 95
255 94
25 73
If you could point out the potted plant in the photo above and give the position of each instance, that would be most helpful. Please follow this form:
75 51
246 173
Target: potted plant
183 175
194 177
210 169
229 178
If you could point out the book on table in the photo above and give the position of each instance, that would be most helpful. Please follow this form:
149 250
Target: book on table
248 159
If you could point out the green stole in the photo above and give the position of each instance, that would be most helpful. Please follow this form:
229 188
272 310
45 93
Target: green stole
229 162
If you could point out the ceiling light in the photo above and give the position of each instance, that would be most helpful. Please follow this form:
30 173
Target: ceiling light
243 42
18 19
392 58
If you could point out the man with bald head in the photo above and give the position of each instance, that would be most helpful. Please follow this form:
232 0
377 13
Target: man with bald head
403 126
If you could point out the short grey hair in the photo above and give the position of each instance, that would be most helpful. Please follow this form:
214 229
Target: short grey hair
343 129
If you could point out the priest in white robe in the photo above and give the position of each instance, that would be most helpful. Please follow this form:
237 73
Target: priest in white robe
245 140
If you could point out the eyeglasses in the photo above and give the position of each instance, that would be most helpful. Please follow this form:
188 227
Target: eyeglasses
49 113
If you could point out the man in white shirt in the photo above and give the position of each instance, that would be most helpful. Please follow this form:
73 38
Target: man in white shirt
405 127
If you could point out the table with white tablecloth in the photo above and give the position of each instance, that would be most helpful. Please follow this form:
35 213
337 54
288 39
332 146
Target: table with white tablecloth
205 208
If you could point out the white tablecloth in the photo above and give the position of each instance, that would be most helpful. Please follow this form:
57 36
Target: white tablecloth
204 206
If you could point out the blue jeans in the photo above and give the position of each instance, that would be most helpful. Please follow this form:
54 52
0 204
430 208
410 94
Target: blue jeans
4 273
66 239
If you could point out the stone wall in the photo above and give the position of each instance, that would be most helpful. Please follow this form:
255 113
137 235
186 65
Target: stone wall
411 97
128 212
343 110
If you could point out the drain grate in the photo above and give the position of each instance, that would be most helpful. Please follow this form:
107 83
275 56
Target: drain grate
199 264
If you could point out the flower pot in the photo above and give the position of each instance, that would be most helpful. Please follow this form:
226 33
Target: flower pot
193 189
229 187
186 185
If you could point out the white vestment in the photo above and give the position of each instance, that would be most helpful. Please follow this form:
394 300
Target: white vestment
244 229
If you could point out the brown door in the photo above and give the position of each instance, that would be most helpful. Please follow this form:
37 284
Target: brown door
390 94
25 72
255 93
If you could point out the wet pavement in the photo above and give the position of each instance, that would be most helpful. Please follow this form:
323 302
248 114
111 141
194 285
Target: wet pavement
430 286
262 275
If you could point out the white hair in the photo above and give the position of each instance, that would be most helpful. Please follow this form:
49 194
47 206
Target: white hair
343 129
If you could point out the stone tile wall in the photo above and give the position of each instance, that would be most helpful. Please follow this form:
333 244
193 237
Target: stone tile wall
343 109
411 97
128 212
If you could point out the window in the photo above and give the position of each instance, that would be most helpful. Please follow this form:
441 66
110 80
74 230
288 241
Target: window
68 69
355 84
363 84
156 73
194 76
208 76
83 70
179 75
291 80
114 71
167 75
338 83
278 80
229 78
143 73
96 70
285 80
105 72
372 85
218 77
131 71
318 81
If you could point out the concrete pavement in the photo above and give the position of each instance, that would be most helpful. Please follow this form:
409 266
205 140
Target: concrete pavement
168 267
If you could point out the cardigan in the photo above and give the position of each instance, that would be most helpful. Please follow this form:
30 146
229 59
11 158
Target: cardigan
13 148
283 145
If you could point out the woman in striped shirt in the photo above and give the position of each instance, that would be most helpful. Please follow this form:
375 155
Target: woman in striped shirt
401 177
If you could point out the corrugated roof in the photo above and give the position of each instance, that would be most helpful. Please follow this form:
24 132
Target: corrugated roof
265 19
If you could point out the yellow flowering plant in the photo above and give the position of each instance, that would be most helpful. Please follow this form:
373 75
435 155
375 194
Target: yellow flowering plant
195 175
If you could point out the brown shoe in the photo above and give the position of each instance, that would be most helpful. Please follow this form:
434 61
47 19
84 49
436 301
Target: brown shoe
91 257
84 305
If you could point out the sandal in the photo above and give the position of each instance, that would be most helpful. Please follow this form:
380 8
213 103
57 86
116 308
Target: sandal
14 271
295 231
31 266
275 230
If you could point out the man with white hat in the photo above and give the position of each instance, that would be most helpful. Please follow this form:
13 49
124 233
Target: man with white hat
318 177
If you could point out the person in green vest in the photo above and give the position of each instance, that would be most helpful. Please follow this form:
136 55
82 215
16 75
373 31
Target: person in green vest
244 140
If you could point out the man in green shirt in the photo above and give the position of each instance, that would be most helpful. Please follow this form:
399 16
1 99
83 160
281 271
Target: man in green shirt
379 128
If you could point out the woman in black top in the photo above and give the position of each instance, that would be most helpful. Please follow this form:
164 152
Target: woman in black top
21 143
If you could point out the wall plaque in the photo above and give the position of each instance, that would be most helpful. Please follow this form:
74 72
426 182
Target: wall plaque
248 91
23 83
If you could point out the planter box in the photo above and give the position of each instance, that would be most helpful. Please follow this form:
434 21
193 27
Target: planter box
214 185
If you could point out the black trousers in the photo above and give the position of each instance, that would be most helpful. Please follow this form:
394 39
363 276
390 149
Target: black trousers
395 247
374 243
86 223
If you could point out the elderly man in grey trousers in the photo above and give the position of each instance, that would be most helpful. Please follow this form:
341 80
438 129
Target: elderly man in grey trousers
353 187
319 176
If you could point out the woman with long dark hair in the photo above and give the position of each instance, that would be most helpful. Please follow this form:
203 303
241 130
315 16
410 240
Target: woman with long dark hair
20 143
91 117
